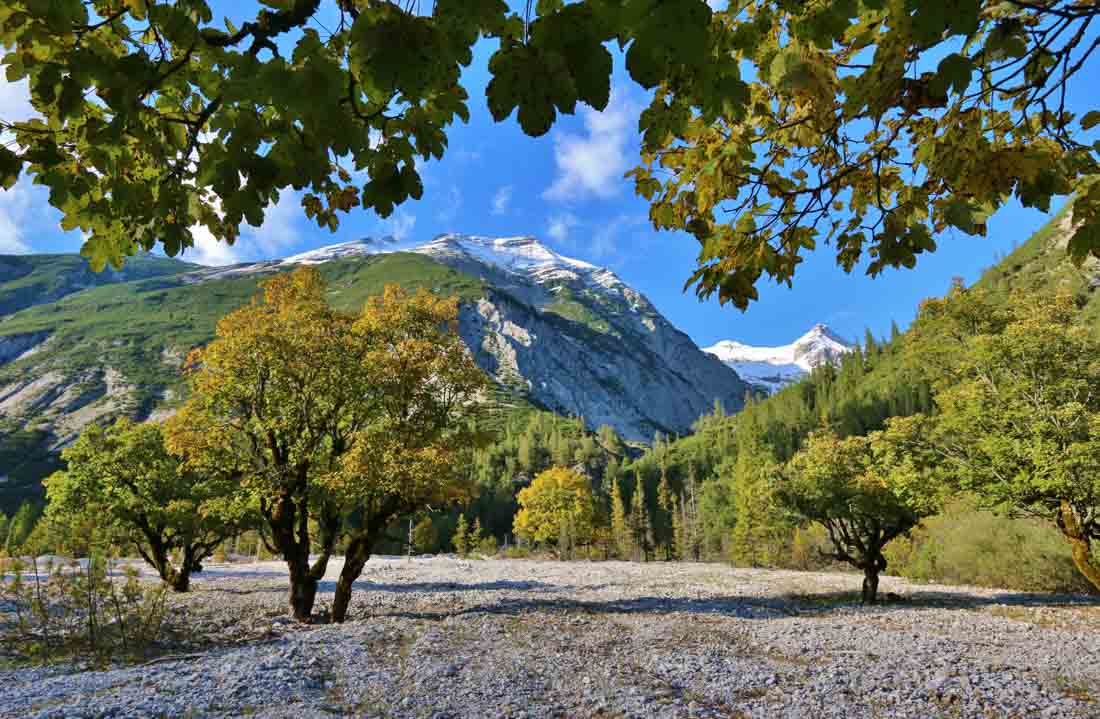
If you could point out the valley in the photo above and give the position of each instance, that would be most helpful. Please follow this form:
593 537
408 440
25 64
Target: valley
553 333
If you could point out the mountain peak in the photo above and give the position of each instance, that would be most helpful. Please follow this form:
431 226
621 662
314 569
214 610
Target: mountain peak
355 248
822 332
776 367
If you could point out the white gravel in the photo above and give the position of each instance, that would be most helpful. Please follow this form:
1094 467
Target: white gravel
441 637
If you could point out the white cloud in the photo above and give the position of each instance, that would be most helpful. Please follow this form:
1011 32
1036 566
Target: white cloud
15 101
279 232
560 225
399 225
605 242
593 164
209 251
15 106
13 216
502 200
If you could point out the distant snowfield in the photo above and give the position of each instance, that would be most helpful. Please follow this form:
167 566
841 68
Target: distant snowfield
773 368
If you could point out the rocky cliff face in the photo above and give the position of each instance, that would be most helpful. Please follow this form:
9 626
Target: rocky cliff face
572 336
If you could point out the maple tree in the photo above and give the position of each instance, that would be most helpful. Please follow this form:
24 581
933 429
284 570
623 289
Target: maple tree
559 501
140 495
155 117
1018 420
350 422
874 126
862 490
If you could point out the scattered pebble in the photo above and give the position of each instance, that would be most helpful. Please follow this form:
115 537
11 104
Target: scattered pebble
443 638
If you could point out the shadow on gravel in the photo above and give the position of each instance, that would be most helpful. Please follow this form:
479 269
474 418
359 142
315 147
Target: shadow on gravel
812 603
801 605
739 607
365 585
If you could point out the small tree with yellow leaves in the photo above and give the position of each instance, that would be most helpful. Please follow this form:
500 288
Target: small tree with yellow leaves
559 502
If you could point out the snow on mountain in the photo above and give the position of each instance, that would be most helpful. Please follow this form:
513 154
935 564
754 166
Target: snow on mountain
776 367
569 335
355 248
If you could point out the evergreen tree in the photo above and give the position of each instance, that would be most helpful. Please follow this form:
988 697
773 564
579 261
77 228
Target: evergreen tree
21 526
666 505
620 522
641 528
759 537
473 541
461 537
691 535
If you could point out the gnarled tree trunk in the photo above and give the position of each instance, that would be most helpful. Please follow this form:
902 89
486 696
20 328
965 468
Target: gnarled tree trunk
871 570
358 553
178 580
1080 544
303 591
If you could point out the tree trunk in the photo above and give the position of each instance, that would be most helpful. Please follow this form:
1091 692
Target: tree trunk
871 569
870 583
357 555
303 592
1080 544
178 580
181 582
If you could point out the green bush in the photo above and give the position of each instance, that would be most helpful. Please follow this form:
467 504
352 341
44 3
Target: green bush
62 610
964 545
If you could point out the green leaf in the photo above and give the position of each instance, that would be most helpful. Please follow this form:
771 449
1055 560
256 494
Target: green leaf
1090 120
666 34
532 81
954 73
10 167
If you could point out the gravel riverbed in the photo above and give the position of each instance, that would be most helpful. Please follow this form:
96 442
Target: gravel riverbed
442 637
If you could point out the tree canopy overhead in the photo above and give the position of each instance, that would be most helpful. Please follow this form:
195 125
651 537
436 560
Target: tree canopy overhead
872 125
774 126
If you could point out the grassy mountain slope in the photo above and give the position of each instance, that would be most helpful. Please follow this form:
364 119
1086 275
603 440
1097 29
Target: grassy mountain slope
28 280
116 349
1041 265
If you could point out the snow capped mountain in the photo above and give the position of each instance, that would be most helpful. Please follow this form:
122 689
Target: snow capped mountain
775 367
567 334
355 248
522 256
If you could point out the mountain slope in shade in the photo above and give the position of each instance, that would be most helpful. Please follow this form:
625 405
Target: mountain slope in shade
775 367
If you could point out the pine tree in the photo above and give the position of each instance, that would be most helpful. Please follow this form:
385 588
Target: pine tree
461 538
678 534
4 524
620 522
691 540
20 527
642 530
667 506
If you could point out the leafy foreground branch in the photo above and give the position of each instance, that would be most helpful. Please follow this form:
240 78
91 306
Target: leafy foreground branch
773 126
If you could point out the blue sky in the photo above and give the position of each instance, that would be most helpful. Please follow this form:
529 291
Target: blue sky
567 189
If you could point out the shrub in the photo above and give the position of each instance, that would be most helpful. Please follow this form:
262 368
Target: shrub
60 610
964 545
